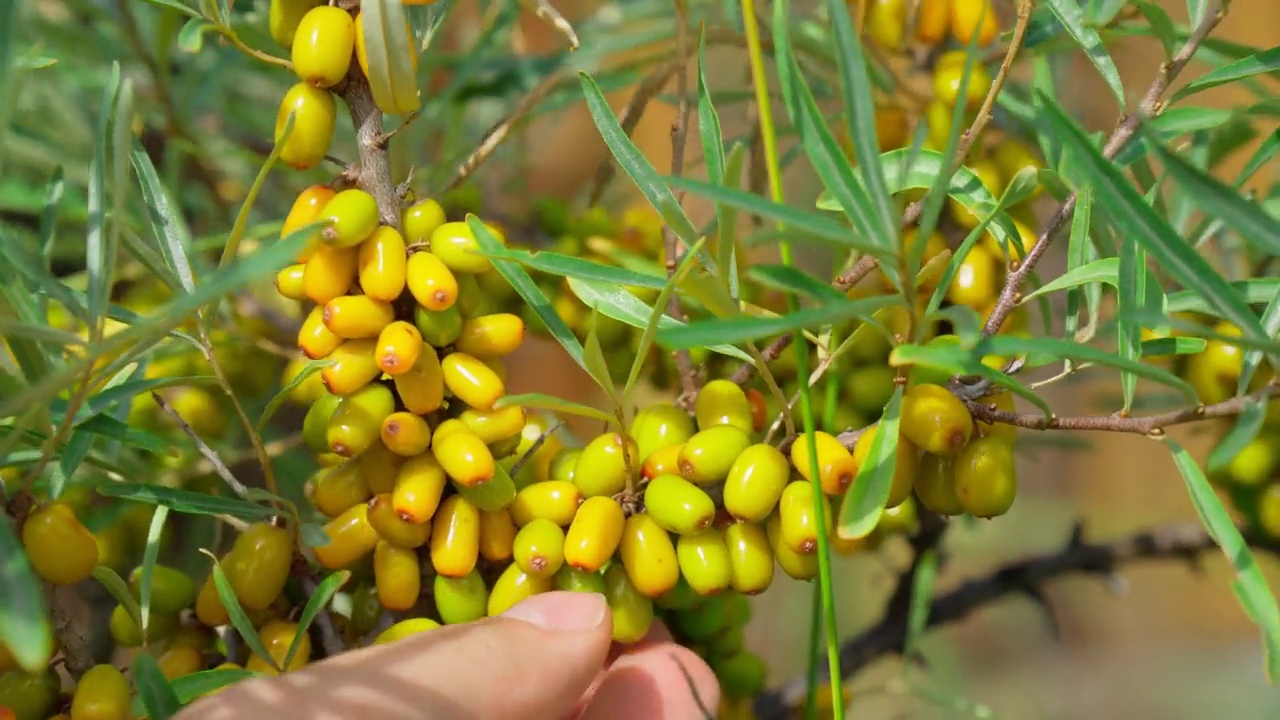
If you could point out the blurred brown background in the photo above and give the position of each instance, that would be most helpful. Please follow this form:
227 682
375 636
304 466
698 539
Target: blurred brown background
1173 643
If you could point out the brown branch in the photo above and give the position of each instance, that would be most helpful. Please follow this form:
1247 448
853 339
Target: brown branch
1124 132
1153 425
372 172
1024 577
679 135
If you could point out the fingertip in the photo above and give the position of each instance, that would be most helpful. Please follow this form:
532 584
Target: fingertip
562 611
662 681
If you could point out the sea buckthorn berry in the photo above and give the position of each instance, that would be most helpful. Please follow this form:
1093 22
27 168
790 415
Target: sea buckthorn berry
128 633
406 434
351 538
1002 401
419 487
974 17
289 282
538 548
460 600
465 458
179 661
799 522
60 549
935 485
209 610
678 505
304 391
421 389
903 519
380 467
986 478
438 328
755 482
456 246
314 339
383 264
455 537
398 576
886 22
171 590
632 611
351 217
257 565
709 455
949 72
314 115
794 564
393 528
1012 155
554 500
353 368
513 586
335 489
648 556
935 420
494 425
357 317
399 346
277 637
906 463
490 336
404 629
750 558
283 19
572 579
594 534
723 402
101 694
446 428
604 465
836 468
323 44
421 219
431 283
660 426
933 21
1268 511
662 462
305 211
1223 360
705 562
1256 462
497 535
29 696
759 409
471 381
742 675
329 273
356 422
496 494
563 464
991 179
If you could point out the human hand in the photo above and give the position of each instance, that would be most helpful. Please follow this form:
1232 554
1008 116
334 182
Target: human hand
548 657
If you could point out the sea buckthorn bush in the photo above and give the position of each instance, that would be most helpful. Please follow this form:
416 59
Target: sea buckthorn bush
263 399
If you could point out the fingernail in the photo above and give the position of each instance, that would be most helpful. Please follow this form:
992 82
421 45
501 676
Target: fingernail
561 611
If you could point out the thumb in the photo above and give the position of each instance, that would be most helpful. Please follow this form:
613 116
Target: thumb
535 660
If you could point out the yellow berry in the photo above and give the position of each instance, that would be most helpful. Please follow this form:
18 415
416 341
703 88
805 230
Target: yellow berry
421 388
471 381
709 455
755 482
179 661
430 282
277 637
323 44
404 629
314 115
406 434
750 558
515 585
399 347
663 461
289 282
101 694
935 485
355 423
460 600
398 576
594 534
949 72
337 488
490 336
986 478
351 538
906 462
538 548
933 20
329 273
314 339
705 562
455 537
836 467
797 565
421 219
456 246
394 528
974 17
678 505
383 264
419 487
632 611
306 211
935 420
554 500
465 458
723 402
605 464
59 548
284 17
493 426
351 217
353 368
886 22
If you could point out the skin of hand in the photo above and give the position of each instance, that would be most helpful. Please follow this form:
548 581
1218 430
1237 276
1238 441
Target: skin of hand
547 657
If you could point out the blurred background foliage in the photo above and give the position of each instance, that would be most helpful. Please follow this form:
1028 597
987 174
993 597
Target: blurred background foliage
1163 641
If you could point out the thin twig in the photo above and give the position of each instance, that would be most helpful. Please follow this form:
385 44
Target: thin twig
1124 132
1025 577
679 135
209 454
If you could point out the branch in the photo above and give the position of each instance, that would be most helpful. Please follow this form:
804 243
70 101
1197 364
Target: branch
208 453
679 134
1152 425
372 172
1150 107
1024 577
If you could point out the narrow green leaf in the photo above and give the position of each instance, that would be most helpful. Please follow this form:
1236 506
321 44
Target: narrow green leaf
1220 201
279 398
634 164
1242 433
157 695
572 266
1254 291
1172 346
1007 345
48 229
921 600
792 279
191 36
1104 271
593 354
1250 586
745 329
190 688
555 404
119 590
167 225
176 5
528 291
713 153
1263 155
864 502
617 303
24 618
1161 26
1132 285
1072 18
656 316
186 501
99 254
1253 358
1265 61
727 220
316 604
149 556
1140 223
239 619
860 110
